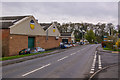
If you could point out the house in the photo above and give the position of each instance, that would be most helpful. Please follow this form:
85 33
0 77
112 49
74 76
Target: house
53 38
68 37
20 32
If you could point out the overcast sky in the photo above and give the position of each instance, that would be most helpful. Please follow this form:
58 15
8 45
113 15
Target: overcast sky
91 12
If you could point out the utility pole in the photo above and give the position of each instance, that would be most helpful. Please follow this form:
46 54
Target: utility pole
46 35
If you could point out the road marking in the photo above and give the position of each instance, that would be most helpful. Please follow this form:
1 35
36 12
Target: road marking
83 48
62 58
36 69
93 65
72 53
99 61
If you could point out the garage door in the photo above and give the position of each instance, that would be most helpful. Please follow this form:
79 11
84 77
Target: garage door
31 42
65 40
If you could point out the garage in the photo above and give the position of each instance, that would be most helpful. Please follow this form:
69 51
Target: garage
65 40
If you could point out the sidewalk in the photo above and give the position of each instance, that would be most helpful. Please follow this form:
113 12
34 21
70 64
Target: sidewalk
110 72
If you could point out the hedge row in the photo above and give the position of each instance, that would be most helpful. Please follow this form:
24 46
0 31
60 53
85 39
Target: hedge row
107 44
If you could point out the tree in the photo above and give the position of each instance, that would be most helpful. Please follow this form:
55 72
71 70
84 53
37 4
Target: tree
90 36
110 28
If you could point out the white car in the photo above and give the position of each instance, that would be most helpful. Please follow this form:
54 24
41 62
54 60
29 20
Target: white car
37 49
67 45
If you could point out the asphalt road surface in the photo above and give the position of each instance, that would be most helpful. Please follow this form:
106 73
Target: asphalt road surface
75 62
110 60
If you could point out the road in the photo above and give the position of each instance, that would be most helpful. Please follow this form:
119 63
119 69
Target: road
74 62
110 64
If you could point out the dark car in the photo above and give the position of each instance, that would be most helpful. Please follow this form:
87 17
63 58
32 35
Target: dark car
96 42
25 51
81 43
62 45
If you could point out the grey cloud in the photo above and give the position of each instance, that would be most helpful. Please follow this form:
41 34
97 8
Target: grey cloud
63 10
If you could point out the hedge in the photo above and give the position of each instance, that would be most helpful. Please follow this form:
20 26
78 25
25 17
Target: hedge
107 44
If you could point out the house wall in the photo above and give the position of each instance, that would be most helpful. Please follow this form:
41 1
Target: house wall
50 31
14 43
69 39
5 41
17 43
23 27
47 44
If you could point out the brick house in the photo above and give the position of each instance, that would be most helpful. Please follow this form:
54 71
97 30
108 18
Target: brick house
62 37
20 32
52 34
68 37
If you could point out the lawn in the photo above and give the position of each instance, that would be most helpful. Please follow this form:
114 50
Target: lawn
19 56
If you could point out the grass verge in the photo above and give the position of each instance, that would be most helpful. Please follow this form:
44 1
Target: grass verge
19 56
111 49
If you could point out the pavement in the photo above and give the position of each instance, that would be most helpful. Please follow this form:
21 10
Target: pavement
72 63
110 65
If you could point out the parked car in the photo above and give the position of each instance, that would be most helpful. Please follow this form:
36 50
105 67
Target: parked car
62 45
74 45
70 45
67 45
25 51
81 43
96 42
39 49
36 49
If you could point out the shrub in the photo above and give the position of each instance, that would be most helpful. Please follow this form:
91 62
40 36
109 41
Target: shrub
107 44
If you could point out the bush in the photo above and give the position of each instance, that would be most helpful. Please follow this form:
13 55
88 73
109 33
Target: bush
118 44
107 44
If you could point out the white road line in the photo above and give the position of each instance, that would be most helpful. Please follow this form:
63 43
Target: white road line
62 58
83 48
99 61
72 53
93 65
36 69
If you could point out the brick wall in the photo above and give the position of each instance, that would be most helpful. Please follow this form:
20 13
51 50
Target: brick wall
40 41
5 41
69 40
12 44
17 43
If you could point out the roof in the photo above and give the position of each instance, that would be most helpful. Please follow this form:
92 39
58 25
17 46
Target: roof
45 26
8 21
5 25
66 34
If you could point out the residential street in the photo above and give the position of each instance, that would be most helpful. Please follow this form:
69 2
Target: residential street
75 62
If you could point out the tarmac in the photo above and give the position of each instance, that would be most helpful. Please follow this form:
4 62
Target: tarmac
111 64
